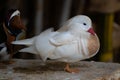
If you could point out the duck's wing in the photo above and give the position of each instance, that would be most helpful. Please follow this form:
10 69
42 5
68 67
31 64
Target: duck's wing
61 38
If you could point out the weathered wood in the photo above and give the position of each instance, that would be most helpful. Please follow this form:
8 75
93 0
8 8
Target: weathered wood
36 70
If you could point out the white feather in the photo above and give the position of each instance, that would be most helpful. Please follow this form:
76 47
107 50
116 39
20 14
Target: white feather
61 38
26 42
4 55
43 45
68 44
30 49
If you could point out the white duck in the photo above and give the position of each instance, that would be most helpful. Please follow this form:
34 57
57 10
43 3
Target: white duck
74 41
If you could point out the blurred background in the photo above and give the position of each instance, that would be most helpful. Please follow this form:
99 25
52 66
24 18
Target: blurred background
38 15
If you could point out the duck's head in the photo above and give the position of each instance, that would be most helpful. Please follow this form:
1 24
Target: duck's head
13 22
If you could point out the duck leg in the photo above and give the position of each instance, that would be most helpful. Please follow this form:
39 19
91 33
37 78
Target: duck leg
70 70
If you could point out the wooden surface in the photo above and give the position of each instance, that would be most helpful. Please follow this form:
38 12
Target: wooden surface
36 70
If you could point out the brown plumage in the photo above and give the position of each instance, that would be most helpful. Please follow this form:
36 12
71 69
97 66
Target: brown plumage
13 27
94 42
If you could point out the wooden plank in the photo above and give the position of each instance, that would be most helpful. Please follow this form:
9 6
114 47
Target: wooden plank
36 70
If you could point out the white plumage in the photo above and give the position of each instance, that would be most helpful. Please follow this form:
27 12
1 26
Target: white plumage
4 56
74 41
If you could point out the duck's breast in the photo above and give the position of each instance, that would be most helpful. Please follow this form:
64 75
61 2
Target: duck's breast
93 45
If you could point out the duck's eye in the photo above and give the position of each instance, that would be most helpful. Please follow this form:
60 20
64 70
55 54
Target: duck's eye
18 14
84 24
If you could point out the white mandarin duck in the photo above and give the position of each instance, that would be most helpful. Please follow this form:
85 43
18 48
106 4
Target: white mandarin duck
74 41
